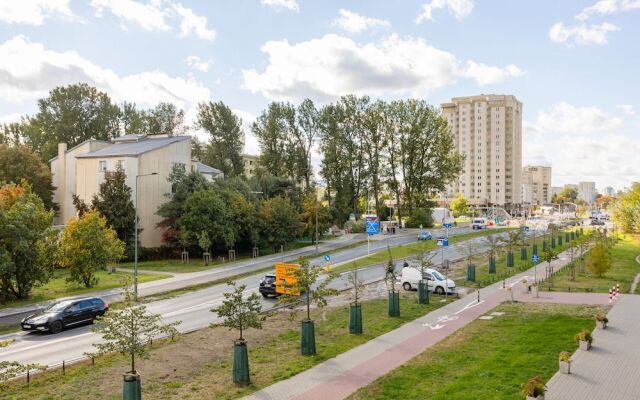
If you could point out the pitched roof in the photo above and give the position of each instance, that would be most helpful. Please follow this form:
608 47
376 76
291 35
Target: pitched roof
134 148
205 169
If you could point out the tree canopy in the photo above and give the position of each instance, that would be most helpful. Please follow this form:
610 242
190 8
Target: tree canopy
225 138
20 162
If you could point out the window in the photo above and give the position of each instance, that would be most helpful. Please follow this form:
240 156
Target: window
120 165
103 165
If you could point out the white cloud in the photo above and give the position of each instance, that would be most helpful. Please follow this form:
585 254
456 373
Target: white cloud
9 118
280 4
153 17
459 8
567 118
334 65
251 145
148 16
583 143
195 62
606 7
193 24
627 109
33 12
581 34
29 71
487 75
356 23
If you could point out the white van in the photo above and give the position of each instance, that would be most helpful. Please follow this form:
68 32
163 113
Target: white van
479 223
435 280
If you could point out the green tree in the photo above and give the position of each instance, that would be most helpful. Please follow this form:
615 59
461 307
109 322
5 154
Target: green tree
18 163
240 313
600 260
280 222
226 138
183 184
114 203
27 242
87 244
129 330
626 210
355 282
313 289
308 217
460 205
71 114
164 118
206 211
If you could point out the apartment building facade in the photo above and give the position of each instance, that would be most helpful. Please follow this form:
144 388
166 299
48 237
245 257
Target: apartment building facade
536 184
250 164
587 191
147 163
487 130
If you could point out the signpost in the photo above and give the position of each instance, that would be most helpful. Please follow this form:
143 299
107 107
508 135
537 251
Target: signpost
447 227
328 263
286 279
535 259
371 227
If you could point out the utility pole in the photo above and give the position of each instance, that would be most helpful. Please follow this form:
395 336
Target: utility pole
316 225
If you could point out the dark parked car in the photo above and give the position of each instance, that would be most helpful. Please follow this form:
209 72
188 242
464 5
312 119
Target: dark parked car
268 286
597 222
65 314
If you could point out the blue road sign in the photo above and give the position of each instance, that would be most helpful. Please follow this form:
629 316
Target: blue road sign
535 258
447 226
372 225
525 228
327 258
444 242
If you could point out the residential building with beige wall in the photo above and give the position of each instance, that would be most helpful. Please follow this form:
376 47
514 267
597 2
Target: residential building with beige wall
487 130
147 159
250 164
536 184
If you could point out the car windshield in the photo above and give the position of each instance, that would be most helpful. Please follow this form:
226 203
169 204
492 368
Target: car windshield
477 221
58 306
438 275
269 279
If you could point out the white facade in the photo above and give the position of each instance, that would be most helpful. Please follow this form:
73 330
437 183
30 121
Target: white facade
487 130
536 184
587 191
609 191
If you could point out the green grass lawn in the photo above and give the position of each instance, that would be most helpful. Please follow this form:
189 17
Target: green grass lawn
58 287
411 249
481 261
198 365
624 269
488 359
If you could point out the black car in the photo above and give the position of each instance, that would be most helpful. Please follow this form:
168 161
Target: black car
596 222
65 314
268 286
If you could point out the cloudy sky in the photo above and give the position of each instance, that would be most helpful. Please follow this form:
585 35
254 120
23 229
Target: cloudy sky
573 64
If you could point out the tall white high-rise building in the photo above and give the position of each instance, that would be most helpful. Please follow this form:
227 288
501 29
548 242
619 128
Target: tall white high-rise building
487 129
587 191
609 191
536 184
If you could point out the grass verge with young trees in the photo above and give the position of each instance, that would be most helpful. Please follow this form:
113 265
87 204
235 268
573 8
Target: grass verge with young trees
488 359
198 365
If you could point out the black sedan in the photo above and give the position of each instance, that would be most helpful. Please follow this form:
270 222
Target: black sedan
65 314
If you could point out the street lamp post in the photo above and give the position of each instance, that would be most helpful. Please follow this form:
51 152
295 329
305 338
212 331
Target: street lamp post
135 256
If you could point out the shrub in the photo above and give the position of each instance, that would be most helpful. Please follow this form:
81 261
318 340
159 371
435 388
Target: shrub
584 336
601 318
420 216
533 387
565 356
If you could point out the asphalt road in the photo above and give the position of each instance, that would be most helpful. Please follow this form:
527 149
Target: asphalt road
192 308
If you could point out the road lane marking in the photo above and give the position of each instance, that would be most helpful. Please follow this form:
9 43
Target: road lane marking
36 346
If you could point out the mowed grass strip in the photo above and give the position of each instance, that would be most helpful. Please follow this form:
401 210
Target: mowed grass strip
198 365
59 287
412 249
623 271
488 359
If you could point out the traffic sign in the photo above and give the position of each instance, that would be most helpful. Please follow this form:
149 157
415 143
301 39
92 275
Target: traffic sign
443 242
327 258
525 228
535 258
447 226
372 225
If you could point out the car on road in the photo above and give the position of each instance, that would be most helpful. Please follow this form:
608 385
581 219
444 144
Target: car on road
267 286
65 314
479 223
595 222
436 282
425 235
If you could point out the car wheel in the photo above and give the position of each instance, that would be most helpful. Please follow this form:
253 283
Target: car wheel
439 290
264 295
406 286
56 327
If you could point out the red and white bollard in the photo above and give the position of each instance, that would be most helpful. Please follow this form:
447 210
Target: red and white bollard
617 289
610 295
